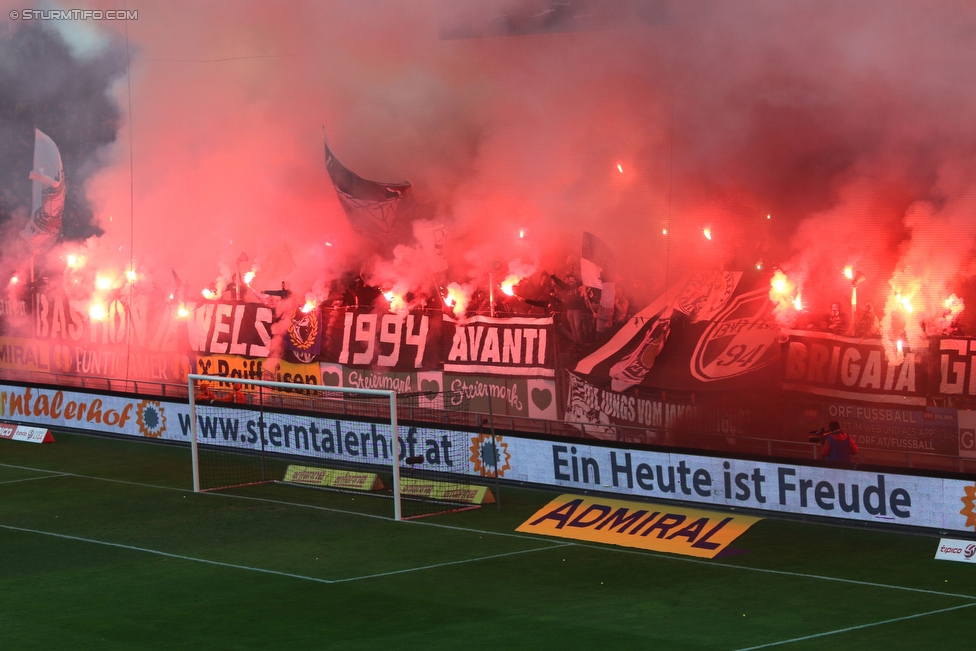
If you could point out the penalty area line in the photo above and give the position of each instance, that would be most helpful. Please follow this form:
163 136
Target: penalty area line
290 575
856 628
16 481
607 548
447 563
157 552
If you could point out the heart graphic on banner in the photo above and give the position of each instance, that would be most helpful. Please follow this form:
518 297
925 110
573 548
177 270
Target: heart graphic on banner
541 397
330 379
430 386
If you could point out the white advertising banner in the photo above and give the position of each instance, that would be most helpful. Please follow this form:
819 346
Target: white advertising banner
887 497
951 549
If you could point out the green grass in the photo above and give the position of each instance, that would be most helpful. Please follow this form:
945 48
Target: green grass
299 569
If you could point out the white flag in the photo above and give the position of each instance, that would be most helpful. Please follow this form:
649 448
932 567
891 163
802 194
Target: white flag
47 209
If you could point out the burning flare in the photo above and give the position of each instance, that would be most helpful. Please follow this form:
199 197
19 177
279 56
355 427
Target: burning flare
508 285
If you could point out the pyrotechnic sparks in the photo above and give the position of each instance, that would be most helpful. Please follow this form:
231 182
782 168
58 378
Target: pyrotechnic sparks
130 275
899 345
780 283
103 283
508 285
97 312
74 262
759 265
456 299
249 276
310 305
14 280
849 272
208 294
664 231
708 233
620 168
182 312
785 295
521 233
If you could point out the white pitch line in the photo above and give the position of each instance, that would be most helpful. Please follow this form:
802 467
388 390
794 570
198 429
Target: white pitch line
113 481
856 628
609 548
250 568
14 481
461 562
698 561
161 553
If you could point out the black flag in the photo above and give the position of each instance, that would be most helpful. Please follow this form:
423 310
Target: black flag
375 210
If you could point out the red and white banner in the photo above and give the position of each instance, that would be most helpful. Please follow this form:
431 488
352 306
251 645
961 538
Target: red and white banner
25 433
951 549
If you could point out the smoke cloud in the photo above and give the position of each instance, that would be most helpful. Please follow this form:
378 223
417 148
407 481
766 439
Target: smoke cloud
805 135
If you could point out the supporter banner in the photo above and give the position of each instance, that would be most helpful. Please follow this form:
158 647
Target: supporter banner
145 324
230 329
886 427
20 354
231 366
39 355
886 497
513 346
401 341
718 333
967 433
957 375
337 375
659 528
845 367
608 410
509 396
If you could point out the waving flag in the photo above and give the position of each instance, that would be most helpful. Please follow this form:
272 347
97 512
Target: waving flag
47 210
597 268
374 209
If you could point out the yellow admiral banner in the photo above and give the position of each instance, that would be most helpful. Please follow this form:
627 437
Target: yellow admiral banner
636 524
437 490
348 479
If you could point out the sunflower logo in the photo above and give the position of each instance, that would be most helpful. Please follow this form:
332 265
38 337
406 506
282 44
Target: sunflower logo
150 419
489 453
969 510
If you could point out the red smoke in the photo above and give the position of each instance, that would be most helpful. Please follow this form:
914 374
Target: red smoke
849 124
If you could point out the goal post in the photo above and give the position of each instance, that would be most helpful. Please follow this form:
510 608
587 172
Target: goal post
251 432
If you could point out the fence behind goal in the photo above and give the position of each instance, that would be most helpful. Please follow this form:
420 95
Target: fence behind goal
251 432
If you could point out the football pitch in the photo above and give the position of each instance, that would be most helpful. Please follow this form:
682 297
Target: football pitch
104 546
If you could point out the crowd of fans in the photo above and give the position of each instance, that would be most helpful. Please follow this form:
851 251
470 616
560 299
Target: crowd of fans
866 323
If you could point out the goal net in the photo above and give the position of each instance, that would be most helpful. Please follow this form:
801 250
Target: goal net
342 440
